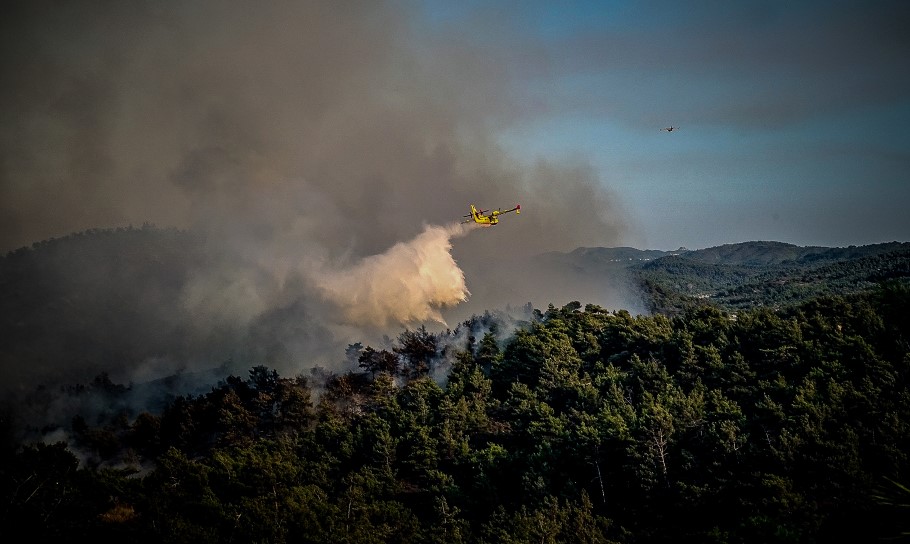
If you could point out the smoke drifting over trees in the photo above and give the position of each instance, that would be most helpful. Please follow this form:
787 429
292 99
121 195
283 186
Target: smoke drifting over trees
304 143
409 283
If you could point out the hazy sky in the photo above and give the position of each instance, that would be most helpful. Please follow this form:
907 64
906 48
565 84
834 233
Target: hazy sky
792 115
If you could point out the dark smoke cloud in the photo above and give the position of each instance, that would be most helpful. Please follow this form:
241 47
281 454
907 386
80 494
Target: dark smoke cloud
303 141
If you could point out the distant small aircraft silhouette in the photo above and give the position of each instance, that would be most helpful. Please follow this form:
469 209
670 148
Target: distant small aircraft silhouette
670 128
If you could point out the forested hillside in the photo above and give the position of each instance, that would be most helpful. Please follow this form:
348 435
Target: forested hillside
741 276
764 399
105 300
587 425
101 297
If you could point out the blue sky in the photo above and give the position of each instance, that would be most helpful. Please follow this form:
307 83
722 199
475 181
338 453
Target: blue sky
348 125
792 115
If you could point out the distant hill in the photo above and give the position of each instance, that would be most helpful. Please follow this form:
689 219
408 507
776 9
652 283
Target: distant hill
91 299
778 253
604 255
739 276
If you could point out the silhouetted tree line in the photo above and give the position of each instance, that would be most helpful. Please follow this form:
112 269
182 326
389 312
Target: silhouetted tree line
585 425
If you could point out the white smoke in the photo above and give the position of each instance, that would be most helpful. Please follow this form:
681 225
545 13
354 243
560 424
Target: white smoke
409 283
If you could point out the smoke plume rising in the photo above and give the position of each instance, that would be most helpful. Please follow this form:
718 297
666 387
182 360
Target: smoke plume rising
285 136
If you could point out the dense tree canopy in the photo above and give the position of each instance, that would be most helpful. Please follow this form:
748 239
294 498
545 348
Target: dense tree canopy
586 425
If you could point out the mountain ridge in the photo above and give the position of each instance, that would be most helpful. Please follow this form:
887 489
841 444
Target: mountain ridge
758 252
738 276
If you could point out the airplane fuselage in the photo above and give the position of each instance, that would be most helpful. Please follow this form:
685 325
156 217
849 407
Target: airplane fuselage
479 216
484 220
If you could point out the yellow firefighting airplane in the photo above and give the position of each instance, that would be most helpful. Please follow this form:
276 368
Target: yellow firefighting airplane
479 217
